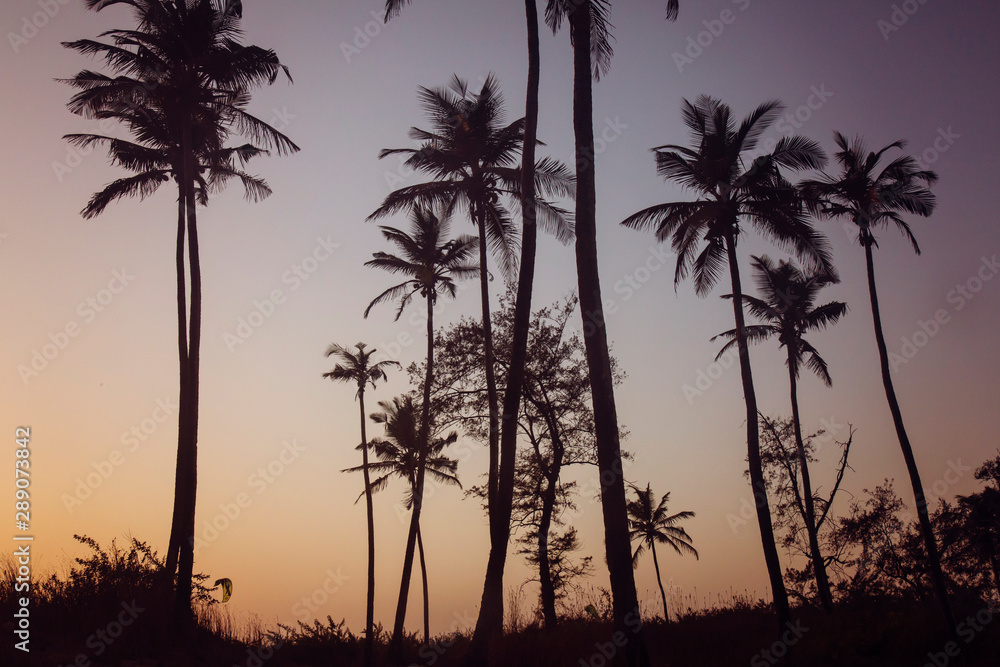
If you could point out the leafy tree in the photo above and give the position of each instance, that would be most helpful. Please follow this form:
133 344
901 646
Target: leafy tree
730 196
357 367
430 263
182 85
399 454
871 198
787 306
651 525
782 461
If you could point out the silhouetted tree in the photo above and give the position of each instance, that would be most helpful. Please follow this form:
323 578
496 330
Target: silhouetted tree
357 367
782 454
182 85
787 305
399 455
871 198
430 263
651 525
733 194
590 35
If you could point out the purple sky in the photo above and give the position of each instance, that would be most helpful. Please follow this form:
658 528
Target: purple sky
835 65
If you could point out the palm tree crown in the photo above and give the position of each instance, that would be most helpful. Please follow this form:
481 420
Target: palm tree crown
788 308
729 192
650 524
429 262
872 198
357 366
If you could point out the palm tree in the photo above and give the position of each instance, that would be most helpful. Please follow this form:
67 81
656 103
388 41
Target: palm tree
590 35
651 524
871 198
357 367
731 194
490 620
399 456
789 310
184 68
431 264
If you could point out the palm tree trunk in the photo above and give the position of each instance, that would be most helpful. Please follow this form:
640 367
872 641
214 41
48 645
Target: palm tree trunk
930 543
616 533
173 548
370 612
757 482
186 556
819 566
489 624
656 565
423 576
396 644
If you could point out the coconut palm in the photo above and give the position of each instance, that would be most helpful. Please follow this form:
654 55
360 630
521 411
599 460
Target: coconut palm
357 367
731 195
184 67
787 306
399 454
650 524
590 35
872 198
472 153
431 263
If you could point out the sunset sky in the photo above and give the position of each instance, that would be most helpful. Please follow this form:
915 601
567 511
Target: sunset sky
98 296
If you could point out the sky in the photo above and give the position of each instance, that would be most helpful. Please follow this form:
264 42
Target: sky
89 347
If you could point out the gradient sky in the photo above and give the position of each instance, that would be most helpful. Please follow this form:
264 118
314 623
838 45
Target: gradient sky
932 82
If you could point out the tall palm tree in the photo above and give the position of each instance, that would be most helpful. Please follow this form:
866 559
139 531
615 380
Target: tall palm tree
590 35
184 65
788 309
472 153
490 621
731 194
651 525
357 367
430 263
399 454
873 198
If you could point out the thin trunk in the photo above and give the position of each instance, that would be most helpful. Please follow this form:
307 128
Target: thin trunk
625 604
173 548
819 567
370 614
757 482
423 576
930 542
656 565
548 593
396 644
489 363
489 624
186 557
